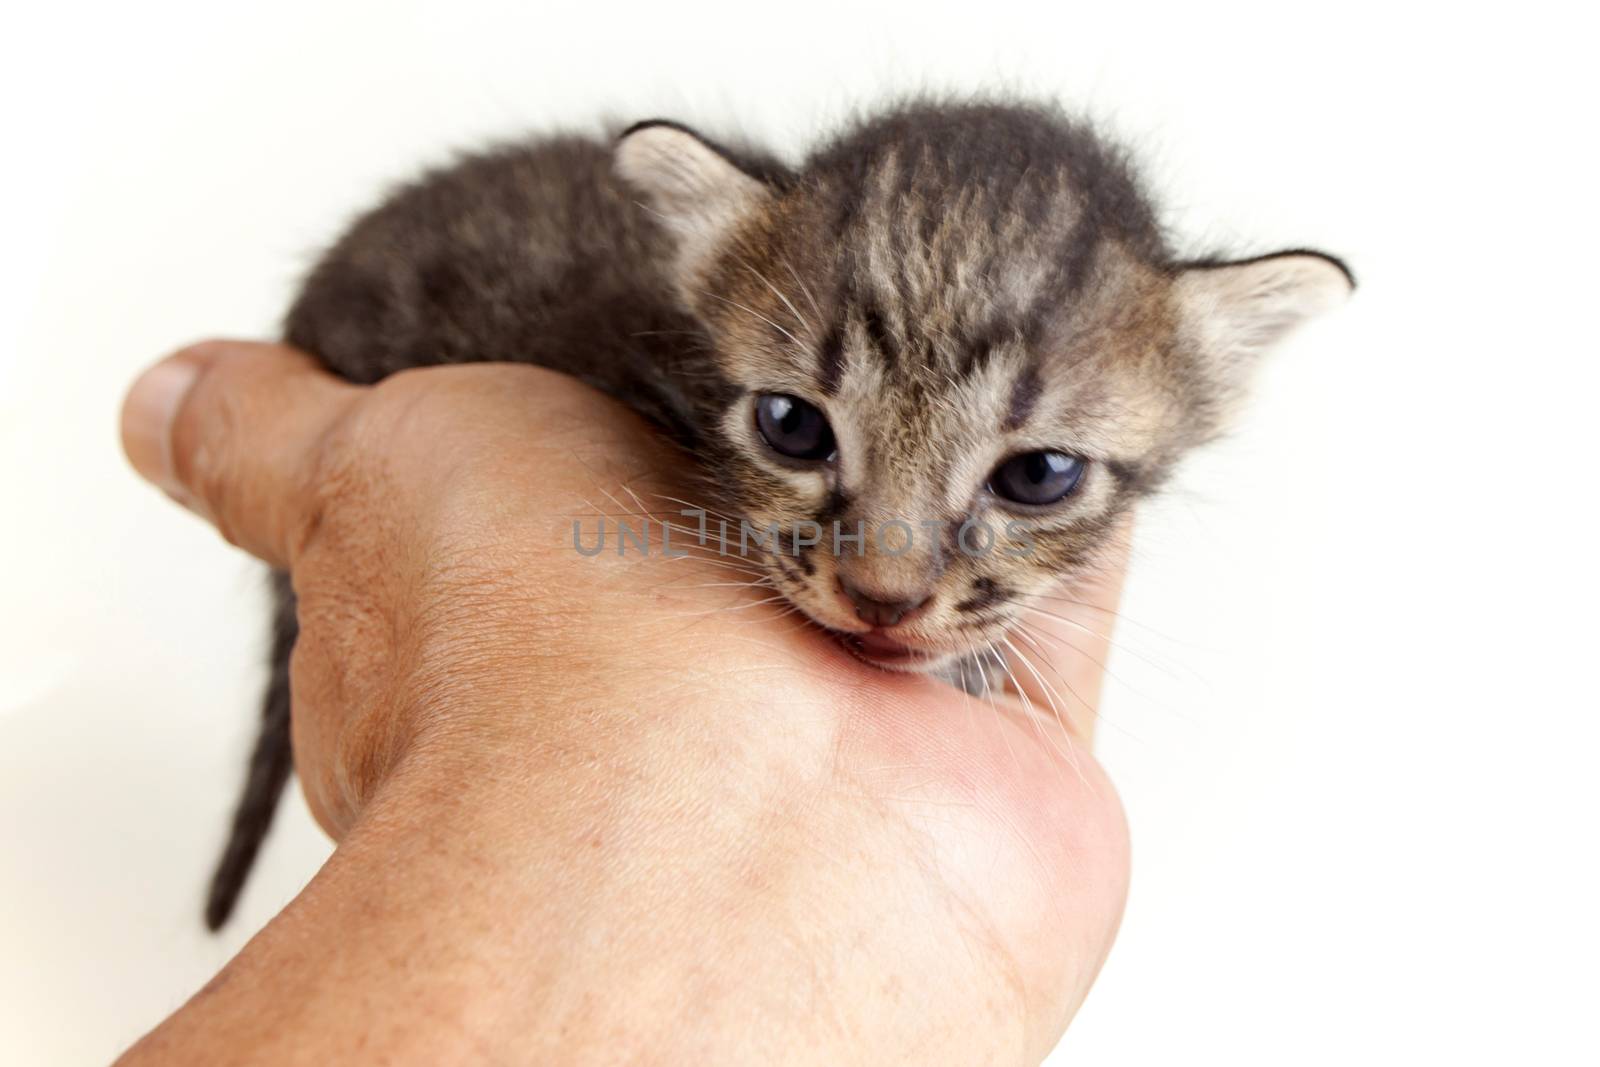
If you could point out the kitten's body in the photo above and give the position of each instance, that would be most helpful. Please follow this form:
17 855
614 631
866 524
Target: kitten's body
528 253
951 285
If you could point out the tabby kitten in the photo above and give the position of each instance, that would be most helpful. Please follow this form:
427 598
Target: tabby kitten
947 315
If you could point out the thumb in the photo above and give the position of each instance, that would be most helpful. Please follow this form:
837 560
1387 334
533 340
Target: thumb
233 430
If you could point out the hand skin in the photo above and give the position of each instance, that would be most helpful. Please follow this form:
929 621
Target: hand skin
607 810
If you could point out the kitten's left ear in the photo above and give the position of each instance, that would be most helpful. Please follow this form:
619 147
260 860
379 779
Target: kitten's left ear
697 192
1239 311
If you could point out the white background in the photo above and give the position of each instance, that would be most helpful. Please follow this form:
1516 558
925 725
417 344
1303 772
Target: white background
1355 717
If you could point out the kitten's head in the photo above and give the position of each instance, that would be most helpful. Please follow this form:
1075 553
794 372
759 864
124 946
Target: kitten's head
958 333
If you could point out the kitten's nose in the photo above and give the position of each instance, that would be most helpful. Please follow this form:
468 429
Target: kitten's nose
879 609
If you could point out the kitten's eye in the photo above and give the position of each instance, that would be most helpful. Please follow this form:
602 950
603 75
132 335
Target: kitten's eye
793 427
1037 478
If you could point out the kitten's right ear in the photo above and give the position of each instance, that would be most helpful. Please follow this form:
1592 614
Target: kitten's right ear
696 191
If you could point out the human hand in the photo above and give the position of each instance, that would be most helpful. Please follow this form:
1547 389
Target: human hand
610 808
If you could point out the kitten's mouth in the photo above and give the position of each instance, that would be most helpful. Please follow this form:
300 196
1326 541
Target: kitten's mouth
879 649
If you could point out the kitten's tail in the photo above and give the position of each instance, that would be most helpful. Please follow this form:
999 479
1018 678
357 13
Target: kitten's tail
270 765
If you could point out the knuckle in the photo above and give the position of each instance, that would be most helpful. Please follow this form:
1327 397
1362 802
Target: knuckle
338 476
333 496
205 349
204 438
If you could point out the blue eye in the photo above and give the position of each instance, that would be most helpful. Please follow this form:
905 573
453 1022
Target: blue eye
794 428
1037 478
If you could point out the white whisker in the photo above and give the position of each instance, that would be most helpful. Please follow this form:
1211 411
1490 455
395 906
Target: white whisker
804 289
779 294
798 343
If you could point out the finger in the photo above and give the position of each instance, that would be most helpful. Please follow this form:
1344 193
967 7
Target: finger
1056 657
231 430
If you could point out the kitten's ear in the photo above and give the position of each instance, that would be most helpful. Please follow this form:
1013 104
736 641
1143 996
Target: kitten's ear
696 191
1239 311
